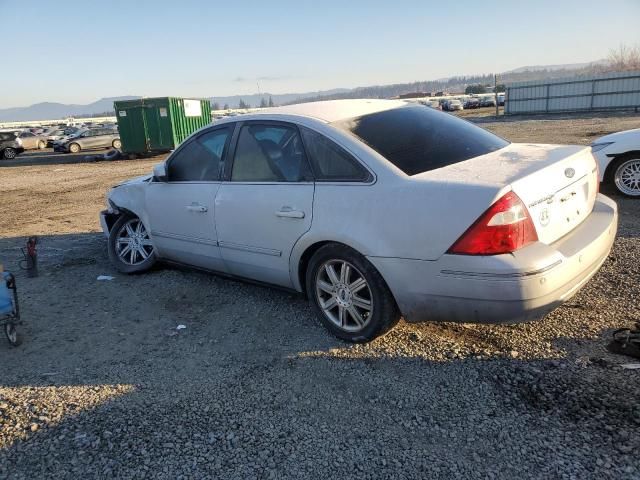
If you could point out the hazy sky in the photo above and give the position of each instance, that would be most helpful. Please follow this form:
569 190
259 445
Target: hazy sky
78 51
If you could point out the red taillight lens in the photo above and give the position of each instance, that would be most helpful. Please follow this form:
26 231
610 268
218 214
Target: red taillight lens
504 228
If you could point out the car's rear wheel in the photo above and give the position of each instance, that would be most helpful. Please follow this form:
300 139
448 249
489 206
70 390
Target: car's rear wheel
349 295
626 176
9 153
130 247
42 145
116 144
74 148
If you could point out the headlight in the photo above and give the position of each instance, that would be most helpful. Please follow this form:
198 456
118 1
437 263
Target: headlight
596 147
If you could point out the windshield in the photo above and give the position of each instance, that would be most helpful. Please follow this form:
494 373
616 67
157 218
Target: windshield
417 139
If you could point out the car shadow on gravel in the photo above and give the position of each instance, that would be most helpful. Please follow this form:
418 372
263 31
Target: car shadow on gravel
105 385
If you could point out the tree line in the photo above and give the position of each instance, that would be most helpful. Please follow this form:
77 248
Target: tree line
242 105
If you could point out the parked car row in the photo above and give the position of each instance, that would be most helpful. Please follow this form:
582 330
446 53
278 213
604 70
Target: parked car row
61 138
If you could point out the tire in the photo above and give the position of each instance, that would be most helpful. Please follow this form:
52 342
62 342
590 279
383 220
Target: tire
12 334
74 148
624 174
42 145
117 144
372 302
9 153
129 227
112 155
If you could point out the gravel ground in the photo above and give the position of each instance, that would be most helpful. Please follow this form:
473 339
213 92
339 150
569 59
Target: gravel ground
106 387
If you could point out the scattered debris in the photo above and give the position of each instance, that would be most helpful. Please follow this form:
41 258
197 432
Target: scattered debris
181 327
104 277
631 366
626 341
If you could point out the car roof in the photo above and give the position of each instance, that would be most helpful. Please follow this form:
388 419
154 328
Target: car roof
334 110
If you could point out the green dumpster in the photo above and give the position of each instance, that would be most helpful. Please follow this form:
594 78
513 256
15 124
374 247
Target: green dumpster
153 125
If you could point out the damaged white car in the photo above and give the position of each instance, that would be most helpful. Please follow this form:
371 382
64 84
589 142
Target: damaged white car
375 209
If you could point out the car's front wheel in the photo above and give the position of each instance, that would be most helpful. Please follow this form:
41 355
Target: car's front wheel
626 176
117 144
9 153
42 145
349 295
74 148
130 247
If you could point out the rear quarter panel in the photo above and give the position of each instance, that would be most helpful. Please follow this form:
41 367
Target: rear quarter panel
402 218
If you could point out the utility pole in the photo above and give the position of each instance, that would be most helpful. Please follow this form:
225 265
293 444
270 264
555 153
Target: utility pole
495 91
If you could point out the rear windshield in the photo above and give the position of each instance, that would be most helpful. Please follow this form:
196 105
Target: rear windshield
417 138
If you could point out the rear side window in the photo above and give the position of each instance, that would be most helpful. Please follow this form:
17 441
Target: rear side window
199 160
417 139
329 161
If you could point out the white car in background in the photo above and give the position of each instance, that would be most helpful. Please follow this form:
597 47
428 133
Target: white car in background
375 209
618 156
453 105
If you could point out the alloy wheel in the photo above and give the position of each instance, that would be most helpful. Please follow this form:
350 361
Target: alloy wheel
9 153
133 245
627 177
344 295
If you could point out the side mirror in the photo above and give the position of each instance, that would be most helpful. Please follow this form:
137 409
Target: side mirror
160 172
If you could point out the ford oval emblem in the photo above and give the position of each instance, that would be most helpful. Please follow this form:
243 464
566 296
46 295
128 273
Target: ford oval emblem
569 172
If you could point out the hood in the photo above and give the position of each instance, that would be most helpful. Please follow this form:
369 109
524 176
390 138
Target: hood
132 181
619 136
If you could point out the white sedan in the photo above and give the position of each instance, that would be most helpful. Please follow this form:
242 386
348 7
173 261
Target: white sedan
375 209
618 157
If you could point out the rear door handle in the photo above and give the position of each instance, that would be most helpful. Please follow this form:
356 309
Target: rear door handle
287 212
196 208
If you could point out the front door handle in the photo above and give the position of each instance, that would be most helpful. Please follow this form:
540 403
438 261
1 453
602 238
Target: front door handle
196 208
287 212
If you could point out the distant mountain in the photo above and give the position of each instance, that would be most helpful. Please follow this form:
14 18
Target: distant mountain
566 66
51 111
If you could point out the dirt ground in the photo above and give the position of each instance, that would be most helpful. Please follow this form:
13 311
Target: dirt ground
105 386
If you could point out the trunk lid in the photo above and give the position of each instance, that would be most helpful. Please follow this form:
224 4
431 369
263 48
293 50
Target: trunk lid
561 193
557 183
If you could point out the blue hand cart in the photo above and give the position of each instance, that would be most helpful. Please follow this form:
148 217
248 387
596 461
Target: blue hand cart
9 309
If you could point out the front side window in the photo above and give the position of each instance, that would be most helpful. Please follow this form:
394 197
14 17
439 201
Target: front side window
329 161
199 160
26 135
269 153
417 139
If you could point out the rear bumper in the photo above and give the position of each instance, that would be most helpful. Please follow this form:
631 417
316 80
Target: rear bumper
510 288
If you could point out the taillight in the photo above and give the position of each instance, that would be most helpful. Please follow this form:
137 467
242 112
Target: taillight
504 228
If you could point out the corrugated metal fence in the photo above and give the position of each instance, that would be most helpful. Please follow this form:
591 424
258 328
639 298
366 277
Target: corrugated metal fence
598 92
